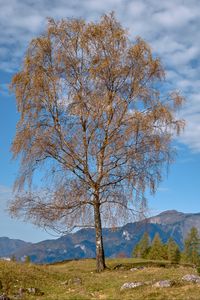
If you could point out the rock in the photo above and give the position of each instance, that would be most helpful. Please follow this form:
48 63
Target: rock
163 283
35 291
133 269
4 297
21 291
137 268
131 285
191 278
76 280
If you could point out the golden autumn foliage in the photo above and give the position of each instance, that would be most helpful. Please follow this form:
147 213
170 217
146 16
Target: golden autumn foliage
92 111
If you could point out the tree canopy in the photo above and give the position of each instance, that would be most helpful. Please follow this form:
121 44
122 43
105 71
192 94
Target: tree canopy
93 113
157 250
141 250
173 251
191 252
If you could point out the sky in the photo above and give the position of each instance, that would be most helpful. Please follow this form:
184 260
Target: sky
170 27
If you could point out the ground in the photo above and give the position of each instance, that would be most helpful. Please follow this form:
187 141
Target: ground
79 280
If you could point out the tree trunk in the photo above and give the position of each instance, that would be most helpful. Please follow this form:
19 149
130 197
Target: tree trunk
100 258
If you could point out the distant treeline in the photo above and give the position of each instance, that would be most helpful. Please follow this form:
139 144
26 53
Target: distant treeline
157 250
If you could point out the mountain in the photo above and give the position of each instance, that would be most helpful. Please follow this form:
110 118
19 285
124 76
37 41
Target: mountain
10 246
117 242
177 221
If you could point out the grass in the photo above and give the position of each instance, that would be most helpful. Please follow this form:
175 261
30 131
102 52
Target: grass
52 280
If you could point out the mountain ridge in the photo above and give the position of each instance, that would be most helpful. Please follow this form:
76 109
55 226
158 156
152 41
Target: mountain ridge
118 242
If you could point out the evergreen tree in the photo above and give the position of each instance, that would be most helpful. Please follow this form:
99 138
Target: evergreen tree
192 247
142 248
157 251
173 252
136 252
164 252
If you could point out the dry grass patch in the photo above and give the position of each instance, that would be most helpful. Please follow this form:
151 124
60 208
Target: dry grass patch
79 280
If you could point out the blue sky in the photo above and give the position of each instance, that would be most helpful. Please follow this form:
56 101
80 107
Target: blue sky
172 29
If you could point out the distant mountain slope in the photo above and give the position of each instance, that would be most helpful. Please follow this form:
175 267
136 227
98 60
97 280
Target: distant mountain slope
9 246
120 241
178 219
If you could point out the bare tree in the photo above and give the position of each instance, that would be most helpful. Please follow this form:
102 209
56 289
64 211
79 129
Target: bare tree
93 115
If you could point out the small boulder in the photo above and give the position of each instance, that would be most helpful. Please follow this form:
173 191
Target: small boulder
131 285
141 268
191 278
133 269
76 280
163 283
35 291
22 291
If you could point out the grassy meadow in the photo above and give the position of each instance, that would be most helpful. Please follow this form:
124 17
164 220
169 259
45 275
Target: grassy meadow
79 280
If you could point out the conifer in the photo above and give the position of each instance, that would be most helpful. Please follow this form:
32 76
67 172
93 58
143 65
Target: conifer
157 250
142 248
192 247
173 251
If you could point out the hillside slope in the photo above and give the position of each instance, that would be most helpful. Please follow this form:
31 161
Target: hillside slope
79 280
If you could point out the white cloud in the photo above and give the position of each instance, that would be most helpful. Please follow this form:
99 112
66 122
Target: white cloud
136 8
171 27
192 133
172 45
175 16
191 113
184 56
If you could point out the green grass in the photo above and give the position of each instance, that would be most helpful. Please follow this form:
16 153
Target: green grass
50 279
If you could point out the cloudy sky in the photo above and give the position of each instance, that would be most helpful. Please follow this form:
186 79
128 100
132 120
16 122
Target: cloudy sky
172 29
